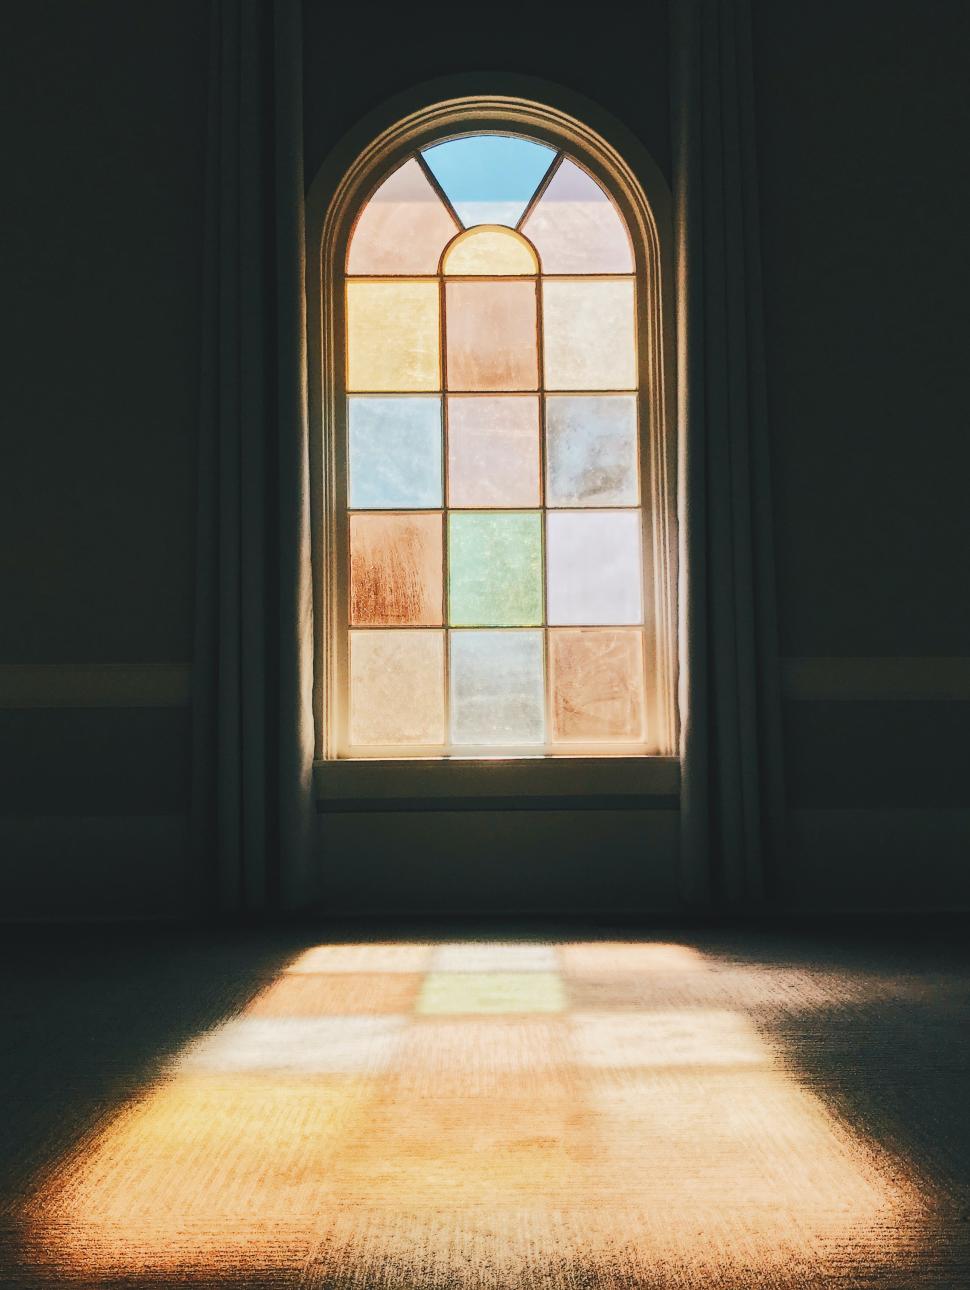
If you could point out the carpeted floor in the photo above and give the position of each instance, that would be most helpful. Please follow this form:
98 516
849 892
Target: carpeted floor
592 1112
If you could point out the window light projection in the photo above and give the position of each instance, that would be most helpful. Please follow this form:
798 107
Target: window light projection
520 1113
492 519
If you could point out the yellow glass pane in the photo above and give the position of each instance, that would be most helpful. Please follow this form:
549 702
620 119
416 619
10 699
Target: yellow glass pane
403 228
491 336
490 251
589 337
395 569
397 687
392 336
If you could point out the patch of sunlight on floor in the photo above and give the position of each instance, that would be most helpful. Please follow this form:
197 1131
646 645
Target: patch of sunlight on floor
462 1110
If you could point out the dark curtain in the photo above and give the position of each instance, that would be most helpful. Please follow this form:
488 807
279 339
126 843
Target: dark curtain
732 797
252 710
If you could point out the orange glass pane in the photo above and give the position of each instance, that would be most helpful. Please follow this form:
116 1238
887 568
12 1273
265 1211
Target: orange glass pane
397 687
490 330
493 450
395 569
403 228
392 337
576 228
494 252
597 685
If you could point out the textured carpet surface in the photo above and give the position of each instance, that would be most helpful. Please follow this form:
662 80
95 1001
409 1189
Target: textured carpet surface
561 1110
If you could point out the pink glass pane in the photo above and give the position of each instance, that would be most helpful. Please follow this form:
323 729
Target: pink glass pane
397 684
493 450
597 684
576 228
395 569
403 228
490 330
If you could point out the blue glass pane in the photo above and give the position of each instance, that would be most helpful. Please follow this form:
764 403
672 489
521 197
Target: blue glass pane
395 452
497 694
489 178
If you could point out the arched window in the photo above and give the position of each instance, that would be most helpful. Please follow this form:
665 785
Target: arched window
496 407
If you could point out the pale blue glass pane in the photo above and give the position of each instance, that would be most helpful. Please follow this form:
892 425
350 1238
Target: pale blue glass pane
395 452
591 450
494 569
497 692
489 178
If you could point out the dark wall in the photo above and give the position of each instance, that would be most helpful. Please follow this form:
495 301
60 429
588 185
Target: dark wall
863 114
102 135
619 62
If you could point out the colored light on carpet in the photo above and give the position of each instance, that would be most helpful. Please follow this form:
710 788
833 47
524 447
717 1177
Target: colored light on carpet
489 1134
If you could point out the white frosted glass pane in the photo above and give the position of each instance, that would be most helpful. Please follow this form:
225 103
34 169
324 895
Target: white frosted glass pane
403 228
576 228
493 450
591 450
589 335
497 694
397 687
593 562
395 452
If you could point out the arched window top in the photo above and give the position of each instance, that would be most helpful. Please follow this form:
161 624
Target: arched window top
499 181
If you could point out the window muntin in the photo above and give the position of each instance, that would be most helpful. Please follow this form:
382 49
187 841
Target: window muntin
492 533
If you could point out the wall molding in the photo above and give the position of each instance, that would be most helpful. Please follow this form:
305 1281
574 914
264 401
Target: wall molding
95 685
944 678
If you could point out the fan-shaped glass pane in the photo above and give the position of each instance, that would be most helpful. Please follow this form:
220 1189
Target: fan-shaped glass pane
403 228
496 252
489 178
577 228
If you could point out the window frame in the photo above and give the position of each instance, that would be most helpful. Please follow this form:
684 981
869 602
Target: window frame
336 197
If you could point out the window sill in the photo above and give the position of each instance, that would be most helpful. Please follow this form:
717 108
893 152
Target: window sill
498 784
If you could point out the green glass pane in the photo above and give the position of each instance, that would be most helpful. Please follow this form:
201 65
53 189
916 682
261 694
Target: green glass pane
494 569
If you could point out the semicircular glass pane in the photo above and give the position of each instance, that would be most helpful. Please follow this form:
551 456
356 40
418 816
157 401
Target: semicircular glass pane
496 252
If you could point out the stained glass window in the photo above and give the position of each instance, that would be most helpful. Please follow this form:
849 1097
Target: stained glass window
492 514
